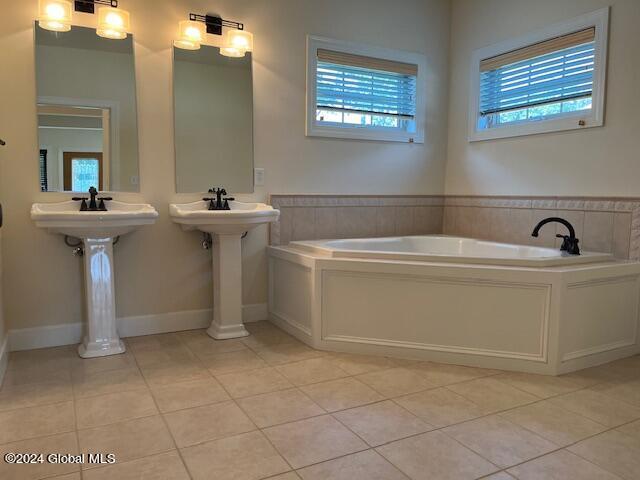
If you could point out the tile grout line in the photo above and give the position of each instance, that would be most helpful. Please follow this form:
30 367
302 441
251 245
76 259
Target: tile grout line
164 420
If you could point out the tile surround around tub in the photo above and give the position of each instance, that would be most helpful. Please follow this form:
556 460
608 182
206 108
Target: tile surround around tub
602 224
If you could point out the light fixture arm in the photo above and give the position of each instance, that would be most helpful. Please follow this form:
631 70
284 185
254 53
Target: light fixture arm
88 6
214 23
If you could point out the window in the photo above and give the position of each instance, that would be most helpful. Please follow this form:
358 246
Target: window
550 81
363 92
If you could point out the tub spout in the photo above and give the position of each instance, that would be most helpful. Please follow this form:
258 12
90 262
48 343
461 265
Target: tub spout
569 242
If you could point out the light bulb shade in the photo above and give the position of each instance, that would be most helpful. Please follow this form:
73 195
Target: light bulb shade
239 39
55 15
190 35
232 52
113 23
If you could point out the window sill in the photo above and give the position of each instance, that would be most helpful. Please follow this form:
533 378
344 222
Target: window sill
535 127
354 133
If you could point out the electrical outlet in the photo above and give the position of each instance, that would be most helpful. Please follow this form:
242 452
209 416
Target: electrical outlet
258 177
134 180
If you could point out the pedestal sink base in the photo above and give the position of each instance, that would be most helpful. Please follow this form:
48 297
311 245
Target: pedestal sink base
102 337
99 349
227 332
227 288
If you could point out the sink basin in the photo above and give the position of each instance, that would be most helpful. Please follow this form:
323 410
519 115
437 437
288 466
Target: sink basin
242 216
66 219
96 230
227 228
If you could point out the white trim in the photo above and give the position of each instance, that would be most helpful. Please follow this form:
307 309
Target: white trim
439 348
585 352
313 130
71 333
4 358
592 118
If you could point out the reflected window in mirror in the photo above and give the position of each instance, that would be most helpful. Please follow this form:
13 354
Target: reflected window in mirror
213 97
86 106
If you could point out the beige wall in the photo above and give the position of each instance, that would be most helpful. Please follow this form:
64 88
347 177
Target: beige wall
594 162
160 268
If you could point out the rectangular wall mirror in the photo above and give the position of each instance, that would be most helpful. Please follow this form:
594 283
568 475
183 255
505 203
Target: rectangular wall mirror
87 126
213 97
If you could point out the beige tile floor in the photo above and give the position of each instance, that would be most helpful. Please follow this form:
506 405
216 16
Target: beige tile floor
183 406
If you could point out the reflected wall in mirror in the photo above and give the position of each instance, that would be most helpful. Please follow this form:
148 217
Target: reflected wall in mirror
87 127
213 98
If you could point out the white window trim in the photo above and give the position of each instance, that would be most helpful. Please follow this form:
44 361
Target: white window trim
359 133
591 118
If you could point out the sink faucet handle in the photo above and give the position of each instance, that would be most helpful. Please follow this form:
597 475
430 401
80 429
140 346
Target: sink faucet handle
101 206
83 205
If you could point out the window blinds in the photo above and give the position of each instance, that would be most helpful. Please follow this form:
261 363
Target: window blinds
555 70
356 83
43 171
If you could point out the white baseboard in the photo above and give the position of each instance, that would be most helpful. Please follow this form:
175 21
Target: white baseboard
4 358
70 333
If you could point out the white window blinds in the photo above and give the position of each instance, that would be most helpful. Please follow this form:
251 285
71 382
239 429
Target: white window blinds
555 70
355 83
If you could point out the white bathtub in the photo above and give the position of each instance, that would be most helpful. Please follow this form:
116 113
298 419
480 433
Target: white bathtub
442 248
457 300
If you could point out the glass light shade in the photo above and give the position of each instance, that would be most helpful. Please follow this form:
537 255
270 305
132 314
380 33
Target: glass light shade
239 39
55 15
112 23
190 35
232 52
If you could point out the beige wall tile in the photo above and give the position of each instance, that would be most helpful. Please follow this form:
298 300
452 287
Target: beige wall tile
598 231
449 220
385 222
404 220
500 225
356 221
621 235
326 222
304 224
286 225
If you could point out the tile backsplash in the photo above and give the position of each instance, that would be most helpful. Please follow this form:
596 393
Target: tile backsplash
602 224
311 217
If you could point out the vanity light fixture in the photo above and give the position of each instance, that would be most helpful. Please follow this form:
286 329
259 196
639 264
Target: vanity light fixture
55 15
236 43
113 23
190 35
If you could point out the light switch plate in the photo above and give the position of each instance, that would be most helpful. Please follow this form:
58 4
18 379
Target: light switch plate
258 177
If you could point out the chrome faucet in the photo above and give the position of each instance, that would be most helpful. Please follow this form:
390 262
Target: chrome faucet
569 242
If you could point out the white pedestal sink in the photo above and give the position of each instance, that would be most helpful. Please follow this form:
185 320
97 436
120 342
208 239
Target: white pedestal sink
97 231
226 228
